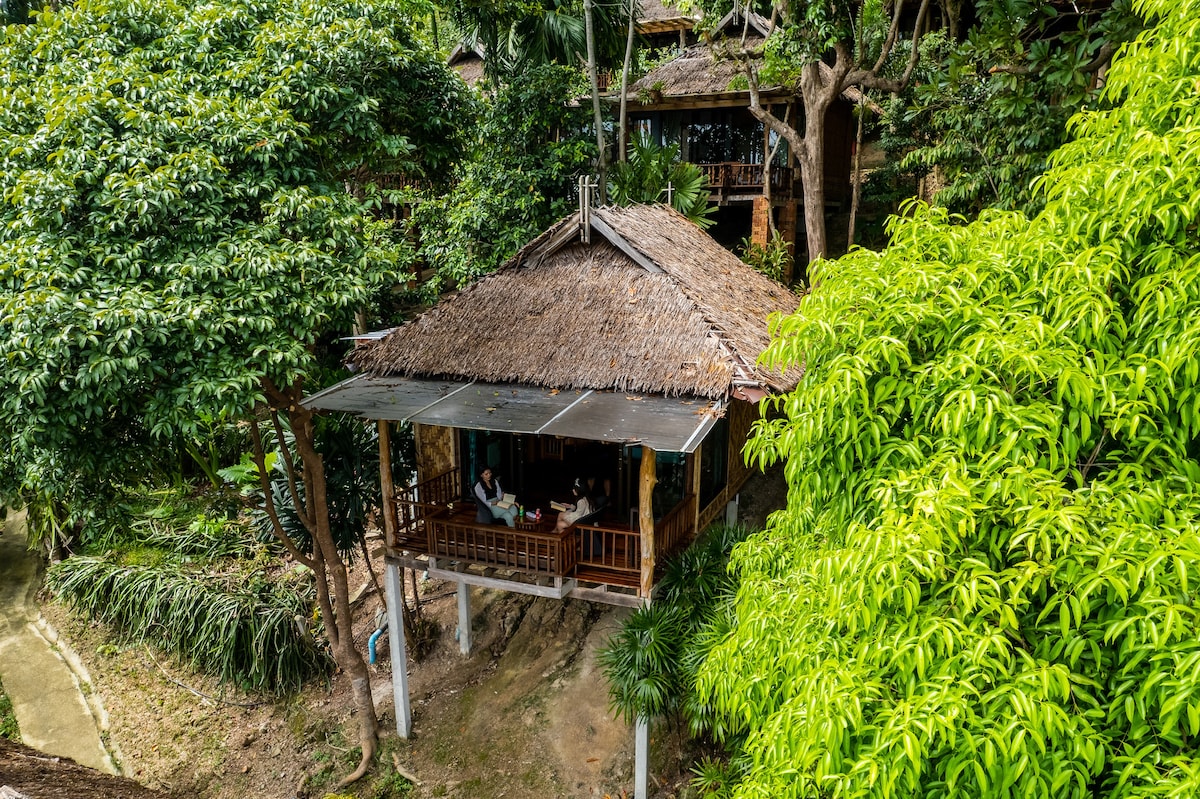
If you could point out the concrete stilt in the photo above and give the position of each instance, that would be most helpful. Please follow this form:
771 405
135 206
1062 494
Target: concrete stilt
464 618
641 773
394 589
731 511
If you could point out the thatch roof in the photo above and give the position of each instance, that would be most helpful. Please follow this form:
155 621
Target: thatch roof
467 61
693 72
698 72
652 305
36 775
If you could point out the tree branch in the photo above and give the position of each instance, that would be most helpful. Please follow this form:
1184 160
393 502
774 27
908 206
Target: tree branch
260 461
873 80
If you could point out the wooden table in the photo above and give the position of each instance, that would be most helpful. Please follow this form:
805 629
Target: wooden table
530 526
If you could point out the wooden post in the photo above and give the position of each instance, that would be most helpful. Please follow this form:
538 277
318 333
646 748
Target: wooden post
641 781
694 466
646 519
385 483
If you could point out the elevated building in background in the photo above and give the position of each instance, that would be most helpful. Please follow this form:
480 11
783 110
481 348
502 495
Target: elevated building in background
699 101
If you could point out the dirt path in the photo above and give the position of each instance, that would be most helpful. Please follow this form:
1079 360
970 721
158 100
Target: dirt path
46 694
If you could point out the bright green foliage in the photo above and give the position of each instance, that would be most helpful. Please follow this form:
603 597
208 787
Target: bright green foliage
240 629
984 583
174 226
530 147
645 177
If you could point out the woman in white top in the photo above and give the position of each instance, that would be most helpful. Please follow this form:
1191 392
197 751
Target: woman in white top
580 509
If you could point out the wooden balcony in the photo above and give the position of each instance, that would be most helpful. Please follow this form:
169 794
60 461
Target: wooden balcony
435 522
735 182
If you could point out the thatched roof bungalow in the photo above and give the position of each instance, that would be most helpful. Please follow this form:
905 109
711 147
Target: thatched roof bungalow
620 349
700 101
616 334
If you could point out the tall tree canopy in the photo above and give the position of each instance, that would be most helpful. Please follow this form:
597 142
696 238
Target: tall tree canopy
176 237
174 228
985 580
987 111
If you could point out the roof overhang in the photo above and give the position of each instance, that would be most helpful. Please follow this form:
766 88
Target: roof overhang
667 424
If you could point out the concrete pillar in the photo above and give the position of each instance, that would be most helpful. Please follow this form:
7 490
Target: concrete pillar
731 511
464 618
641 773
394 590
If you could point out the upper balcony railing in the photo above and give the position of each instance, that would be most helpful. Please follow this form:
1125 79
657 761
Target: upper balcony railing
729 179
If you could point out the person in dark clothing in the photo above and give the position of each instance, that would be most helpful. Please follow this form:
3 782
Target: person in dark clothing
488 491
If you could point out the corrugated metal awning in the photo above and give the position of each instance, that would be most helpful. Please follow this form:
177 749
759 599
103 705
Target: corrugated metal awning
661 423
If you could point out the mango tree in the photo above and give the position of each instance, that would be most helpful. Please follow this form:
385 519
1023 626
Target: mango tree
985 580
176 235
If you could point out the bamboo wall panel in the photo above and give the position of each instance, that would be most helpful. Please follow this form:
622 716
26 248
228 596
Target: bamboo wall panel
436 451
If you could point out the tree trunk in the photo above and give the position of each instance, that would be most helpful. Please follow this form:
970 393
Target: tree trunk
856 180
621 131
598 118
812 168
347 656
332 580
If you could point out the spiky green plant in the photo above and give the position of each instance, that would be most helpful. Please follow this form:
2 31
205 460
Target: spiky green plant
238 628
651 168
651 661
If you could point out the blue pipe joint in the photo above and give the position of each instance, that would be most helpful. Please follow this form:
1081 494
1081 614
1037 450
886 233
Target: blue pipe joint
372 640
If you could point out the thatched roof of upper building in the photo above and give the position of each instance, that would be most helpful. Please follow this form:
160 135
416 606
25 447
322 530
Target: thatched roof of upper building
651 305
467 61
701 70
695 71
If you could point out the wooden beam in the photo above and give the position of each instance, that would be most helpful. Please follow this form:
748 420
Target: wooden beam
624 246
646 519
385 482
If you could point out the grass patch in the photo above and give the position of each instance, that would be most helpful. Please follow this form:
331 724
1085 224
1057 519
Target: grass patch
8 719
239 627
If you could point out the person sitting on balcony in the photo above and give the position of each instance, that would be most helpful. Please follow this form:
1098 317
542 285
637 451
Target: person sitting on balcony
488 491
581 507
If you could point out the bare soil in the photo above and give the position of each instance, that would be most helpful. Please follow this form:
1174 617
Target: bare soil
525 716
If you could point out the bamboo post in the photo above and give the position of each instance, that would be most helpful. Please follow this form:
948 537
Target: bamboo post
694 473
387 489
646 519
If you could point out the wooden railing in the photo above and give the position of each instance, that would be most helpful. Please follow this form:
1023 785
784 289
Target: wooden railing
422 501
676 529
426 525
551 554
606 548
734 178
